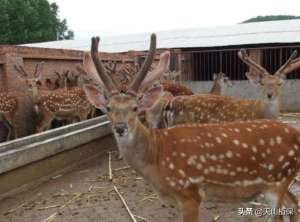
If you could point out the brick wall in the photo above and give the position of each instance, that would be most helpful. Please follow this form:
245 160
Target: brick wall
55 60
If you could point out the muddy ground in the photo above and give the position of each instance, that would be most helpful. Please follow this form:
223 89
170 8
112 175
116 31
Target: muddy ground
85 194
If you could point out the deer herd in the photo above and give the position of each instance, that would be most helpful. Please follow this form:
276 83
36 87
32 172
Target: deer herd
190 147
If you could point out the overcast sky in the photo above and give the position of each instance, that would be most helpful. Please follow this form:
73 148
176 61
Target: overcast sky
115 17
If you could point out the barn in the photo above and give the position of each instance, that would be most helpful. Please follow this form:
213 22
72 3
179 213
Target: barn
195 53
200 52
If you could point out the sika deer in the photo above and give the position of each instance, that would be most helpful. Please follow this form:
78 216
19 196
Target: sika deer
8 108
215 109
196 161
220 84
60 104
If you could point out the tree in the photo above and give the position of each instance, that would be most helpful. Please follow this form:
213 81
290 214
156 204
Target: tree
271 18
26 21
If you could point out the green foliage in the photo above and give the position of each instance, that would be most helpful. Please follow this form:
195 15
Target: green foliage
26 21
271 18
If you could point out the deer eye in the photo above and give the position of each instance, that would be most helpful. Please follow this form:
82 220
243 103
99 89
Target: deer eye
135 109
108 108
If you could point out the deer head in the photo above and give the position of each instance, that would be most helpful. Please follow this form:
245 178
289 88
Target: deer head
34 82
271 85
221 83
122 107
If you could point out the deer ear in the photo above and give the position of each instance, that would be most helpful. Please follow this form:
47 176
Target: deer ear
215 76
95 96
254 79
151 97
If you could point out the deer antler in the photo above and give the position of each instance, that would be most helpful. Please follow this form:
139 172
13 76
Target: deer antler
162 67
38 69
145 67
246 59
286 64
110 86
20 69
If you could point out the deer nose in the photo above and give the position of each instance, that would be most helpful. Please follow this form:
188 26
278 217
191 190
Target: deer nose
120 128
269 95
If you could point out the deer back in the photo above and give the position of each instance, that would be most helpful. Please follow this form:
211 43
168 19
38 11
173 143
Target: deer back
239 155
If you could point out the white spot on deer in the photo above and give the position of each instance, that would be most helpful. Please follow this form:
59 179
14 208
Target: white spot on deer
245 145
207 144
238 155
192 160
236 130
213 157
174 142
239 169
172 184
286 130
270 167
174 153
263 155
209 135
272 142
182 154
278 140
254 149
286 164
182 140
181 182
166 132
268 151
236 142
296 147
168 179
218 139
291 153
221 156
171 166
261 142
181 172
253 158
195 180
167 159
206 171
199 166
202 159
249 129
232 173
212 169
229 154
163 163
224 135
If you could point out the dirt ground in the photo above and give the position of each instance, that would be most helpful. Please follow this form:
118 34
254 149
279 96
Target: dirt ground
86 195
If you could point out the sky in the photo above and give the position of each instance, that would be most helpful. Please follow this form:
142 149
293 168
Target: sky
116 17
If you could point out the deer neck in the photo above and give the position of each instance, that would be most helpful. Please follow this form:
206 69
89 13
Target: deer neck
35 95
216 89
136 147
271 108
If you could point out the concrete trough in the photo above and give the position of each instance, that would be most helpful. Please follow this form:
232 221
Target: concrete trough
26 150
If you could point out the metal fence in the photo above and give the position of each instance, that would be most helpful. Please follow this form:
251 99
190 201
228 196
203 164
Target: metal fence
200 65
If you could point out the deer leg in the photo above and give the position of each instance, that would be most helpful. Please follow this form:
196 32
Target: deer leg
190 205
190 210
275 198
9 129
291 201
45 122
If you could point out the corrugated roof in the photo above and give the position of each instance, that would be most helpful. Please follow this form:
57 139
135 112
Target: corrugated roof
287 31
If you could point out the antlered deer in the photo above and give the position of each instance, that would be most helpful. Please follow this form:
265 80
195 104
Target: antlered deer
60 104
195 161
213 108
